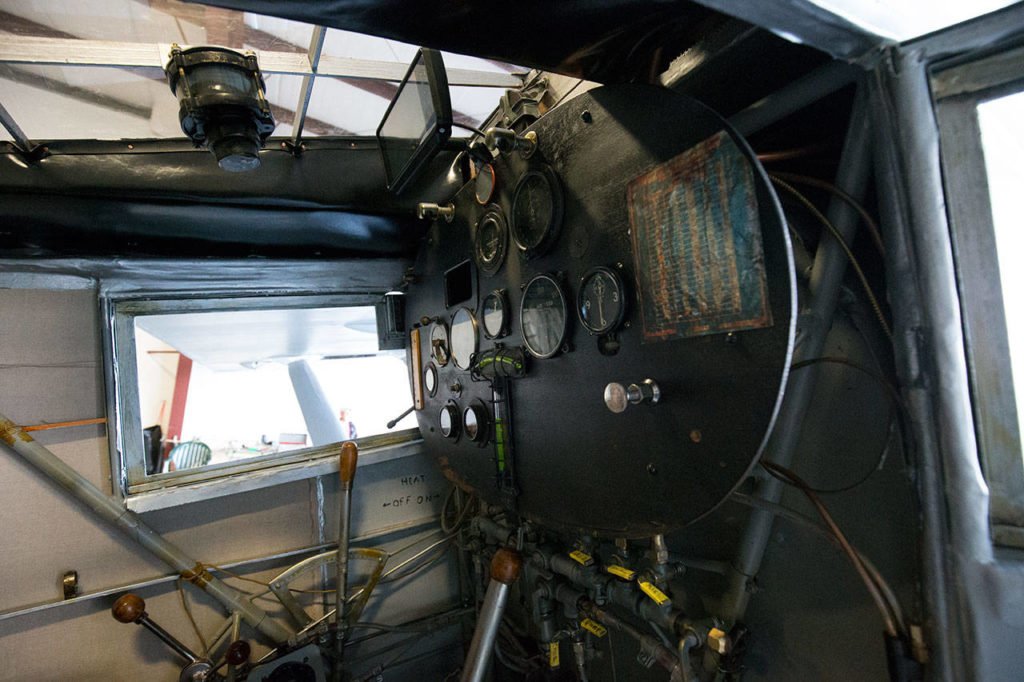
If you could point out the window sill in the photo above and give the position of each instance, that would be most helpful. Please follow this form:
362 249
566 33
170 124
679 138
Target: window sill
176 495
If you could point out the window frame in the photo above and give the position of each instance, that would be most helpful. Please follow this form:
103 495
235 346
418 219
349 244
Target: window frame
154 491
958 88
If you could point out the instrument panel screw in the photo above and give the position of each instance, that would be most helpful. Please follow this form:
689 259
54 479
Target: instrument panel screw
651 469
585 116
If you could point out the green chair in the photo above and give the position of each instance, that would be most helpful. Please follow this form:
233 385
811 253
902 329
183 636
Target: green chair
188 456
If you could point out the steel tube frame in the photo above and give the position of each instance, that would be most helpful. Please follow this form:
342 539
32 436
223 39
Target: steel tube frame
111 511
316 47
813 327
73 52
814 86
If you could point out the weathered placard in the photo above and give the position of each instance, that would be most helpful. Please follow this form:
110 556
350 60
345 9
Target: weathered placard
697 244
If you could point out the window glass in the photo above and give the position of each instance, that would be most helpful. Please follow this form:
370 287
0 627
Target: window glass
259 382
1002 136
906 19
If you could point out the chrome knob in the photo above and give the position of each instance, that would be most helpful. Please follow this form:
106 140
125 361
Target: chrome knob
618 397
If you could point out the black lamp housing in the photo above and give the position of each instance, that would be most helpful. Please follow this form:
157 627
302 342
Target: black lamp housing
222 106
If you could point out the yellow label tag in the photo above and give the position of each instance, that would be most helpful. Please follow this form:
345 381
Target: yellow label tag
620 571
582 557
594 627
553 657
654 593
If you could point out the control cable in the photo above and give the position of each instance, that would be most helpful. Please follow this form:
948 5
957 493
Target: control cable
846 248
869 222
885 608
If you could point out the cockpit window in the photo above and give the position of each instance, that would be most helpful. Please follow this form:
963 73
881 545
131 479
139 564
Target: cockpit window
214 387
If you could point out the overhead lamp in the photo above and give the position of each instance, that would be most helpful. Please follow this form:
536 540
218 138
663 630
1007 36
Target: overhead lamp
222 105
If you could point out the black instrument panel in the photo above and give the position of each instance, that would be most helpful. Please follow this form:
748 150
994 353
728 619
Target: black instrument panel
600 308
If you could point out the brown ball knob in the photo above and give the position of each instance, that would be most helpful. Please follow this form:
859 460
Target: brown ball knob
347 467
505 566
238 652
129 608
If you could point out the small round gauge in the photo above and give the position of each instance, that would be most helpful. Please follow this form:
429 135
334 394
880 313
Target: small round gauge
490 241
495 315
449 421
537 211
484 184
464 338
440 350
430 379
543 316
601 300
475 422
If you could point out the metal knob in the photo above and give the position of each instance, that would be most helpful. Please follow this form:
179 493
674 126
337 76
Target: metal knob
618 397
427 211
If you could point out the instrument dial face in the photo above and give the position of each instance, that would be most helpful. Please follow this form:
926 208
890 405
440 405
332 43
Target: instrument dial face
439 347
495 315
449 420
537 211
474 421
543 316
464 338
601 301
484 184
490 241
430 379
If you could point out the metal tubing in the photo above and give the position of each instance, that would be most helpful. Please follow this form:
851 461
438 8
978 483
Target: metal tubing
316 46
346 472
505 568
169 639
813 327
479 655
12 127
814 86
108 509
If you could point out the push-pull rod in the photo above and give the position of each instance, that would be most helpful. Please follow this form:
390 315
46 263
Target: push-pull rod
111 511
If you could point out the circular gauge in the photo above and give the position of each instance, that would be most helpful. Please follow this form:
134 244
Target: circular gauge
490 240
543 316
475 422
449 421
601 300
495 315
537 211
484 184
439 347
430 380
464 338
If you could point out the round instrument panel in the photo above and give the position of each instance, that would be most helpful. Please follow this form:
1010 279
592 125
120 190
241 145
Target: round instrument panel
490 241
475 422
439 347
543 316
601 300
449 420
537 207
484 184
696 307
464 338
430 379
495 315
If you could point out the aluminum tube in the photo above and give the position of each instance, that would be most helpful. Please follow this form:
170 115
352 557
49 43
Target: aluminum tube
479 656
830 263
169 640
111 511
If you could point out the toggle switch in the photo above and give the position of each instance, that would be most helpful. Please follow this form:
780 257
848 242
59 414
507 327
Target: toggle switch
618 397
